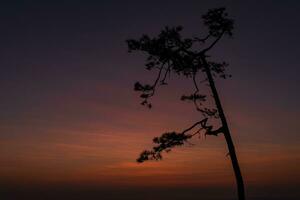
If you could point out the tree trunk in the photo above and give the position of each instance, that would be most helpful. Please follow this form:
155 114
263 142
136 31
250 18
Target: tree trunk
226 131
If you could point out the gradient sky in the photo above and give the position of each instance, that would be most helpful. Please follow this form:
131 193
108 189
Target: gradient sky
71 125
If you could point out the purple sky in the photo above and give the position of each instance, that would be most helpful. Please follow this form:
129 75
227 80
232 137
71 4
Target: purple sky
71 124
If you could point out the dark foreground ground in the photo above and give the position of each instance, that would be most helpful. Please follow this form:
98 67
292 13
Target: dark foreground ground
76 193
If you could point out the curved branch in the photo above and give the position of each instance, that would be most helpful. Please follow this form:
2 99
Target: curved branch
168 71
202 40
169 140
156 80
212 44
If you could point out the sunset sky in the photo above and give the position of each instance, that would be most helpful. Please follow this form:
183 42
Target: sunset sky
71 126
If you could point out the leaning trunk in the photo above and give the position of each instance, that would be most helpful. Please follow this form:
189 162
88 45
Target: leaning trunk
226 131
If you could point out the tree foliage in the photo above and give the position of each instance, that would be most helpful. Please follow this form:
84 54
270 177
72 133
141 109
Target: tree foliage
169 52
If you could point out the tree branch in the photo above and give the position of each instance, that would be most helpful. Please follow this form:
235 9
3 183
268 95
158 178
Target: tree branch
202 40
212 44
169 140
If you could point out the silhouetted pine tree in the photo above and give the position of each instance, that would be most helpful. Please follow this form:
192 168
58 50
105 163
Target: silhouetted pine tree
170 53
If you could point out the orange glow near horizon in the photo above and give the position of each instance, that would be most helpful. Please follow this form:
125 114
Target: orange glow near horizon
84 137
100 148
108 159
